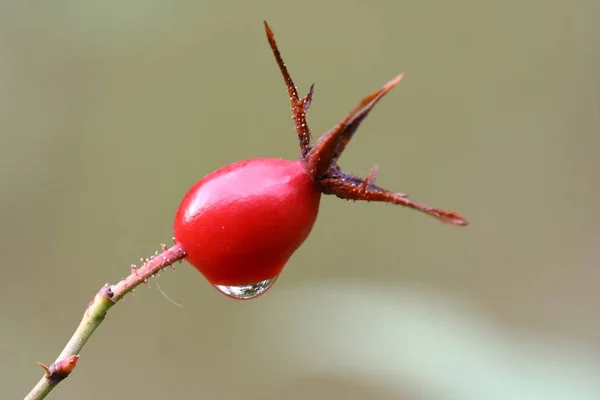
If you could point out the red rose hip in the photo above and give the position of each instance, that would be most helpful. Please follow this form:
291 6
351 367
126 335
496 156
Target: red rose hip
240 224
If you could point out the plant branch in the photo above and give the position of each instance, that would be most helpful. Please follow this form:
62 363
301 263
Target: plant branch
94 315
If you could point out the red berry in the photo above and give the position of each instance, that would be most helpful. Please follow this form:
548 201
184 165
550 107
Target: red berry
239 225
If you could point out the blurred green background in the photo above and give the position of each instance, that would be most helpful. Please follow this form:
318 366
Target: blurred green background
110 111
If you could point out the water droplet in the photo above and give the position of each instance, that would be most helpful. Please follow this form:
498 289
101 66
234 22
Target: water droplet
247 292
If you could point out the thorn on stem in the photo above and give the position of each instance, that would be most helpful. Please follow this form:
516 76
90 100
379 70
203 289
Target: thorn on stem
106 292
45 368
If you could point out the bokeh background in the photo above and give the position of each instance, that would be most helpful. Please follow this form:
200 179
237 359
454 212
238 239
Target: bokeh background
110 111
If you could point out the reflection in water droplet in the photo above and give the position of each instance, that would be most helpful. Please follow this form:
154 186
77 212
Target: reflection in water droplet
247 292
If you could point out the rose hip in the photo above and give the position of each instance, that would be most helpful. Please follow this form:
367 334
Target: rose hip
240 224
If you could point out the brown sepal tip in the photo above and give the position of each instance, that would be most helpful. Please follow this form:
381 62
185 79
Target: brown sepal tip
321 159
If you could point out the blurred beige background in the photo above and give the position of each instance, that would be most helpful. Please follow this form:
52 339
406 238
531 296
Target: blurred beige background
110 111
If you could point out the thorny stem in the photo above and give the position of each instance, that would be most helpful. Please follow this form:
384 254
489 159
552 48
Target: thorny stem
97 309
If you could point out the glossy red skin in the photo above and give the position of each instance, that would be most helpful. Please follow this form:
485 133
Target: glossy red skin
240 224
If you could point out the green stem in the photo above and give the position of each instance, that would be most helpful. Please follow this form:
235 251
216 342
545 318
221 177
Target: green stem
97 309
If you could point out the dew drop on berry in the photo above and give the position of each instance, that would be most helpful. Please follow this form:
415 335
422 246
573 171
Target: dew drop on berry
246 292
